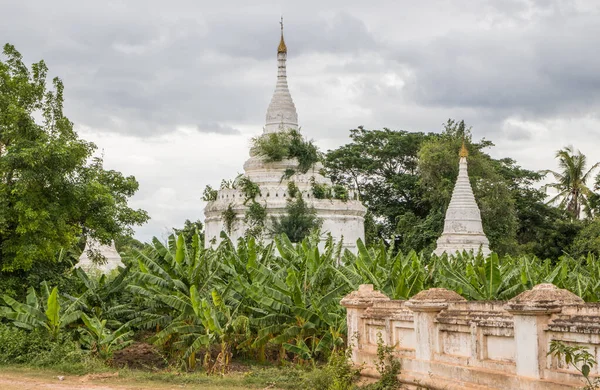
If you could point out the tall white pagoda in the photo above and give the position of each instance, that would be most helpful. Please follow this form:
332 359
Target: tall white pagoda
463 230
344 220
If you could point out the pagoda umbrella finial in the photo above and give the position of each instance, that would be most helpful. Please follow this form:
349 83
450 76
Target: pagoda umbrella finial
282 48
464 152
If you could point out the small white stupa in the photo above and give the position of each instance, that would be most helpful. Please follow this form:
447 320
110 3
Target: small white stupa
343 219
463 230
109 252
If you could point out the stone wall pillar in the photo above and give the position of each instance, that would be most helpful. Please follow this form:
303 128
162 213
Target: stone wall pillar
356 303
532 310
426 305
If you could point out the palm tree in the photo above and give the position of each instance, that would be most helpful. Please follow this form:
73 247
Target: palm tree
571 182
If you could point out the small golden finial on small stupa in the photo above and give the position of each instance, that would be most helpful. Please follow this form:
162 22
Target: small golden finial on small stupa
463 150
282 48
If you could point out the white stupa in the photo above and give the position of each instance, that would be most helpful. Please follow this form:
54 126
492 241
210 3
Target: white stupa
463 230
342 219
109 252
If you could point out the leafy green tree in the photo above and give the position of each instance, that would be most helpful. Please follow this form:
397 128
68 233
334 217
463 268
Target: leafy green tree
406 181
189 231
571 182
382 165
438 166
594 198
588 239
49 194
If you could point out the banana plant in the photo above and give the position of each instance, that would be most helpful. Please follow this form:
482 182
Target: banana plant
102 297
222 326
397 275
33 314
168 282
292 298
101 340
480 278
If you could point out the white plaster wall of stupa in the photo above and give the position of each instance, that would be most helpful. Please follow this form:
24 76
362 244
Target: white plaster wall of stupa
112 258
344 220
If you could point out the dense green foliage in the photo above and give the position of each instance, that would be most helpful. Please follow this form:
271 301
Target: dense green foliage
189 231
406 180
249 188
52 192
255 218
251 298
325 191
18 346
229 218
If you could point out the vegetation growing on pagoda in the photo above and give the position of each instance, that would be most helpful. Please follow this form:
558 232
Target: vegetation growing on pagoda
255 218
299 218
229 218
287 145
209 194
249 188
325 191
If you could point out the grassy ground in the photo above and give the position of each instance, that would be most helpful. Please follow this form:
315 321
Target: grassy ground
20 378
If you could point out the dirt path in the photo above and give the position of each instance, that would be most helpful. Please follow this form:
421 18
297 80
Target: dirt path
21 381
16 380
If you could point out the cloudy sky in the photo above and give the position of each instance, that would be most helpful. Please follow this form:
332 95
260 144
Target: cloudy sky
172 92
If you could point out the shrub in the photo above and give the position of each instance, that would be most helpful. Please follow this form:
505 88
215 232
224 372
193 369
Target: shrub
341 371
287 144
298 221
319 190
293 189
388 367
324 191
340 192
272 146
579 358
37 348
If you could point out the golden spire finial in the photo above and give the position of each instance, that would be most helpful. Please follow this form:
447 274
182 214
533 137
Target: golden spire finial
282 48
463 150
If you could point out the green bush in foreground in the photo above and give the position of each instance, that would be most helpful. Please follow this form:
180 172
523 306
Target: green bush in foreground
37 349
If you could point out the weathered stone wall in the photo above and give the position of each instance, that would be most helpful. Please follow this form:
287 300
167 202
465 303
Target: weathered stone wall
446 342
